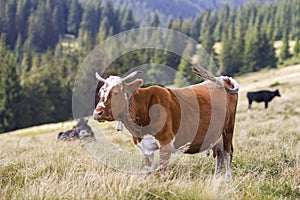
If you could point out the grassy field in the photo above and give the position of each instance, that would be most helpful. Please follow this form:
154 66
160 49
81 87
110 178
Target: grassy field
266 162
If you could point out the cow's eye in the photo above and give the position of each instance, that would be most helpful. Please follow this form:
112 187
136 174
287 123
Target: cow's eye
115 93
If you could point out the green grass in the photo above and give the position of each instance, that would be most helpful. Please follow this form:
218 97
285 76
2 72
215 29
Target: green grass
266 162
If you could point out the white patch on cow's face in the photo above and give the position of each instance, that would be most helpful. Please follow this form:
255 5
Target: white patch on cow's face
108 85
101 104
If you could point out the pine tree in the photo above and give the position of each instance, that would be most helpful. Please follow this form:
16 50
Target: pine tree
226 55
177 24
158 58
206 54
10 90
267 52
251 53
128 21
115 17
2 16
222 19
18 49
74 17
172 59
296 50
35 100
170 22
155 22
196 28
204 24
103 30
208 40
238 46
10 26
46 92
284 50
59 20
89 25
22 15
185 75
187 27
40 30
35 63
52 78
26 64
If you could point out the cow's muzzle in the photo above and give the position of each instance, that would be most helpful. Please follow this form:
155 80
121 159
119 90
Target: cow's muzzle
102 115
97 115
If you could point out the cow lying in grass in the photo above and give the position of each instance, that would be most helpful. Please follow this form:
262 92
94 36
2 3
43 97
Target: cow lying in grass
191 119
81 131
262 96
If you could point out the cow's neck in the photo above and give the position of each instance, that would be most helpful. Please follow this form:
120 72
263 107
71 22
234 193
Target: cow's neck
131 126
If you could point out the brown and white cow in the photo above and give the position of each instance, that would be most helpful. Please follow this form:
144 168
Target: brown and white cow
190 120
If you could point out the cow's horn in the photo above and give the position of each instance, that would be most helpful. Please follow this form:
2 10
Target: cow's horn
99 77
133 74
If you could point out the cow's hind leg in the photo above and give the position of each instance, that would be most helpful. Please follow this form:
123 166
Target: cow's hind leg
218 152
228 157
228 151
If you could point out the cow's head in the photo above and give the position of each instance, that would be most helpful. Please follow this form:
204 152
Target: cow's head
277 93
114 97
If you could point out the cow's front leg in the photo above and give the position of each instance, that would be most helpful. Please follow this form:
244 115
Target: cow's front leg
164 157
148 145
266 104
149 162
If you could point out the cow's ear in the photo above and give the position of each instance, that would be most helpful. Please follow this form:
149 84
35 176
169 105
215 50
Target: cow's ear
132 86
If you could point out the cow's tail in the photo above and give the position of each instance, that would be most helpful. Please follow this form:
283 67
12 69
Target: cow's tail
203 73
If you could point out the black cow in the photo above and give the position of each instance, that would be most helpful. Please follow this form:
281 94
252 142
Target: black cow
69 135
82 131
262 96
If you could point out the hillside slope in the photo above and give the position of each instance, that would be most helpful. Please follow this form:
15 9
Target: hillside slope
266 162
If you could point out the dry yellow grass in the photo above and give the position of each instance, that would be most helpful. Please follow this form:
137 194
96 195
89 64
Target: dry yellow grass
266 163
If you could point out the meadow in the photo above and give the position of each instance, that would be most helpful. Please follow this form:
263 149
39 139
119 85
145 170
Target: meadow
266 162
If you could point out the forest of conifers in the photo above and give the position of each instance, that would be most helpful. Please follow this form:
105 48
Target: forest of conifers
43 43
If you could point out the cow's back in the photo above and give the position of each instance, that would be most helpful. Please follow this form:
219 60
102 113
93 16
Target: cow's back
203 121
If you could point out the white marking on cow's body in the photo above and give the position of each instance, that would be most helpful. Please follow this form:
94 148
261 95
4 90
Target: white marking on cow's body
181 149
148 146
228 172
232 82
119 126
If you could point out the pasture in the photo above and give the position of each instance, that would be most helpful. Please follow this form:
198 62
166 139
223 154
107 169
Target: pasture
266 161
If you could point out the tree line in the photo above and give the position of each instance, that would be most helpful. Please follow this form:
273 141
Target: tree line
37 70
43 42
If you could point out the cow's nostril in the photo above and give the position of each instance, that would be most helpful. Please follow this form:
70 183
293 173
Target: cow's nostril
100 112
